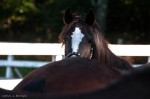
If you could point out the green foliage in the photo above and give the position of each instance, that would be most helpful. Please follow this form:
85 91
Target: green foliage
23 71
2 71
41 20
35 20
128 19
13 16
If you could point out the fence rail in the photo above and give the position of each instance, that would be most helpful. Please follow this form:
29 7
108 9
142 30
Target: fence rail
56 51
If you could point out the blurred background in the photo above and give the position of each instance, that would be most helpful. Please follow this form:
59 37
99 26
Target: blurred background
41 21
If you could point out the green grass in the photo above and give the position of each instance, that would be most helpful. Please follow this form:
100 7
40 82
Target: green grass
24 71
2 71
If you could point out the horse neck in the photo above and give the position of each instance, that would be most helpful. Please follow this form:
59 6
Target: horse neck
109 58
104 55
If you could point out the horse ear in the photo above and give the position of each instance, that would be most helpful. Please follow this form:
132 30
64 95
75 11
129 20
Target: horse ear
90 18
68 17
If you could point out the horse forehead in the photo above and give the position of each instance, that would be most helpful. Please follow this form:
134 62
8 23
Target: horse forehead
78 18
77 33
78 27
77 30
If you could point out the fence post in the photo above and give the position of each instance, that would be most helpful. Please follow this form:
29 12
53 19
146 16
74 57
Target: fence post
9 73
120 41
59 57
148 59
53 58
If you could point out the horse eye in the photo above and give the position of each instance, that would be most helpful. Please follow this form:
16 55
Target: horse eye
65 39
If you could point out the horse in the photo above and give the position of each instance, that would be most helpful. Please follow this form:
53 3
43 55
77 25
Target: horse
132 85
81 37
73 74
68 76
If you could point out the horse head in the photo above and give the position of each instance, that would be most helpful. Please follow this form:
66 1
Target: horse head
81 37
76 34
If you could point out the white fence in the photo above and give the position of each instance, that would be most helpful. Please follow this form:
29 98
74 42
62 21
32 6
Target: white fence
57 52
9 84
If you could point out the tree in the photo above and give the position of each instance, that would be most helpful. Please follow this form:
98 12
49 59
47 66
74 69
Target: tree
101 12
41 20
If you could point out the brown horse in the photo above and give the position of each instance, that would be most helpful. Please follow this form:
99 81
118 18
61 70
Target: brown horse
81 37
133 85
75 74
70 75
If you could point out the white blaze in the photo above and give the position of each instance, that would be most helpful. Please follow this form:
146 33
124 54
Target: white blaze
76 39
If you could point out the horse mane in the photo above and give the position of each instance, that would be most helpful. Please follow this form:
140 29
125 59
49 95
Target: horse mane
63 32
103 54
